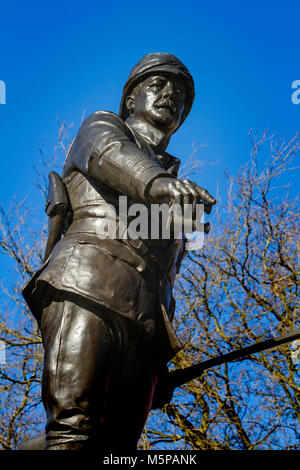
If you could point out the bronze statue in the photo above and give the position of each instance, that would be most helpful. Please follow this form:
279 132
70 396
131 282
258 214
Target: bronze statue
105 305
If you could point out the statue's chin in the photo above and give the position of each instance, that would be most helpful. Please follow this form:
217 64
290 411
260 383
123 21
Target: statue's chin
165 121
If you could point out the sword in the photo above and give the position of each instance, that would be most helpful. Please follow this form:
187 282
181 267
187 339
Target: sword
176 378
181 376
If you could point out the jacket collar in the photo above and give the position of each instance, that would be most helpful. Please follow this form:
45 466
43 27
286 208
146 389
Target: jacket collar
153 136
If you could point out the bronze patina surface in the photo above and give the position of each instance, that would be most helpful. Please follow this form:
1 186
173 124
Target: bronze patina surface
105 306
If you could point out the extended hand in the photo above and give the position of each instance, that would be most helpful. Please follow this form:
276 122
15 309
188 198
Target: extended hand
175 191
180 191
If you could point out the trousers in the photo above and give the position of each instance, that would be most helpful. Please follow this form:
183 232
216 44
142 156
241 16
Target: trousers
99 377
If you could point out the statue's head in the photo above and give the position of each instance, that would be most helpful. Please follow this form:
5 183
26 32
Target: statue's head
160 91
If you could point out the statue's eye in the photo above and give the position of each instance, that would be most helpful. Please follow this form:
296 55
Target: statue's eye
179 90
156 85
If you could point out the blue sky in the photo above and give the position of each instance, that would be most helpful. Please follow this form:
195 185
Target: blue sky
73 57
70 57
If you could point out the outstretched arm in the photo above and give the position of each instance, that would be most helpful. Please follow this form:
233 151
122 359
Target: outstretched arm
104 150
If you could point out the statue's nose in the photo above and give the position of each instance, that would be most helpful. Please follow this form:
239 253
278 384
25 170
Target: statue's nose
168 90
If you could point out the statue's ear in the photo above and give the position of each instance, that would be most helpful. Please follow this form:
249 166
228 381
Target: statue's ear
130 103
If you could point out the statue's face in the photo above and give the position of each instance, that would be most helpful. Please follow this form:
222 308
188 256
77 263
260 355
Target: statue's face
159 100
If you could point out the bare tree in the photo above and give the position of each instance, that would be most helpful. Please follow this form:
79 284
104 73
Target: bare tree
20 375
241 287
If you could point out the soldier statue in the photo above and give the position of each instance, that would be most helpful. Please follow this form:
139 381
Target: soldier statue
105 305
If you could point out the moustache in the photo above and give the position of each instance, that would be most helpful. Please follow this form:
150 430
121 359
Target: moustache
169 104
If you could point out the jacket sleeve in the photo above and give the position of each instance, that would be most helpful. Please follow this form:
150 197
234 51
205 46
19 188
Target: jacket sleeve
103 150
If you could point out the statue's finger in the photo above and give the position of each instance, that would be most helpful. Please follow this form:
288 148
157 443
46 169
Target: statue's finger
205 196
207 208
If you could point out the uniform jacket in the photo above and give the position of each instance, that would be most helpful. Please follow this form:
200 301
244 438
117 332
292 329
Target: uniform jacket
133 278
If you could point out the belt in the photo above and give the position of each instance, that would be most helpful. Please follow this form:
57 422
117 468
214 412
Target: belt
160 258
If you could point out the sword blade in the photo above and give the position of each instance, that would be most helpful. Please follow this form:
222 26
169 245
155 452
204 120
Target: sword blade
181 376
